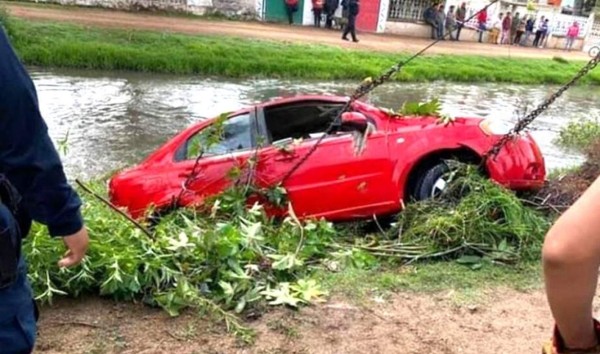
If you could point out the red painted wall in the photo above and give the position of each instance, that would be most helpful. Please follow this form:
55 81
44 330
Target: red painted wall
368 16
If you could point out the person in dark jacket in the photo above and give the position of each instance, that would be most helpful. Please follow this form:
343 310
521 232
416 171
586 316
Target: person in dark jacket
529 26
353 11
33 186
345 8
330 9
430 16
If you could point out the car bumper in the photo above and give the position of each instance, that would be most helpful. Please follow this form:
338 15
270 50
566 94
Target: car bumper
519 165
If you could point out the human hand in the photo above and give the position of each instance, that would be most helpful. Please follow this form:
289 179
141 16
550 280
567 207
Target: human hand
77 245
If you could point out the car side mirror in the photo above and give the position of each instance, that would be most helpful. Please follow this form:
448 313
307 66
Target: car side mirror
355 121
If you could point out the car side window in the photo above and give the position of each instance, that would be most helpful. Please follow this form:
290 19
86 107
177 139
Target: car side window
236 136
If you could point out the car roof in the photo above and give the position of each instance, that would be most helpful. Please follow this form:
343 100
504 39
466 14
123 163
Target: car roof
274 102
298 98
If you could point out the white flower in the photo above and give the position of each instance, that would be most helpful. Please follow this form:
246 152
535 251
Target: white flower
256 209
251 230
310 226
181 242
252 268
215 208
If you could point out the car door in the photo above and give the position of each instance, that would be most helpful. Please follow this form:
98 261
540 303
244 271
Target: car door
198 178
333 182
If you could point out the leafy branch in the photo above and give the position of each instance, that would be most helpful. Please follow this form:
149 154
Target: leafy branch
431 108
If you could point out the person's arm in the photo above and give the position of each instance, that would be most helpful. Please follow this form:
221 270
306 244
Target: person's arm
29 160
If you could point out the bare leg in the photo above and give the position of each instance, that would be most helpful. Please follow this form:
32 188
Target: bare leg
571 257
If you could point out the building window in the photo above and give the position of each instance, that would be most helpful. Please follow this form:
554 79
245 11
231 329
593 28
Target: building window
595 30
408 10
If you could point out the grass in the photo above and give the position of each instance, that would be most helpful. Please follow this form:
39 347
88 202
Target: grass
148 11
579 134
560 172
72 46
361 285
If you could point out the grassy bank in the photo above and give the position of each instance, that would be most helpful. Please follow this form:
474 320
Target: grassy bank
434 277
580 134
72 46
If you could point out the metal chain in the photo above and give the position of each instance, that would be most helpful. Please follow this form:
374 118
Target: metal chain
525 121
366 87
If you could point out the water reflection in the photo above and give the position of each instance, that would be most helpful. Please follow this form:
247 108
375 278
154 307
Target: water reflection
115 119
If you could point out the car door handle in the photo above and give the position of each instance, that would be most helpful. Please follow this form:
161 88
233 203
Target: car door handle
187 173
285 157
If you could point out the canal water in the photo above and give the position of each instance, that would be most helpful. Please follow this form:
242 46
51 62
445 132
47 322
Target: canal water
114 119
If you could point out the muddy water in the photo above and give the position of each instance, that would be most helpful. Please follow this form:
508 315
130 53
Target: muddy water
115 119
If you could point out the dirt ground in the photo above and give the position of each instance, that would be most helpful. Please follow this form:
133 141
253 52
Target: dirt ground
295 34
504 321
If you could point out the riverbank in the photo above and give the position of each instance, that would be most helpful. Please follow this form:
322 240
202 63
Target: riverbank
56 44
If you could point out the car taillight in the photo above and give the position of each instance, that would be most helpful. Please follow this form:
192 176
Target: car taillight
535 171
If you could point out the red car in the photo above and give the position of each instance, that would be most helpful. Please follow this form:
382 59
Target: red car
402 160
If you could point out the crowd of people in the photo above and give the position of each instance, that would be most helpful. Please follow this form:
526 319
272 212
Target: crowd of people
505 29
327 9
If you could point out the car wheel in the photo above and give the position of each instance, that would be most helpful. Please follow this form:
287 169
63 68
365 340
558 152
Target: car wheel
594 51
432 182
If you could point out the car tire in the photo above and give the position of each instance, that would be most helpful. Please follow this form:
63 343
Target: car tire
431 182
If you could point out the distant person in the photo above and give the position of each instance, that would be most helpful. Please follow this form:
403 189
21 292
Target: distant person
545 33
291 7
520 30
516 21
461 15
529 27
317 11
539 31
441 21
330 8
506 26
572 34
482 23
451 22
353 11
496 29
430 16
